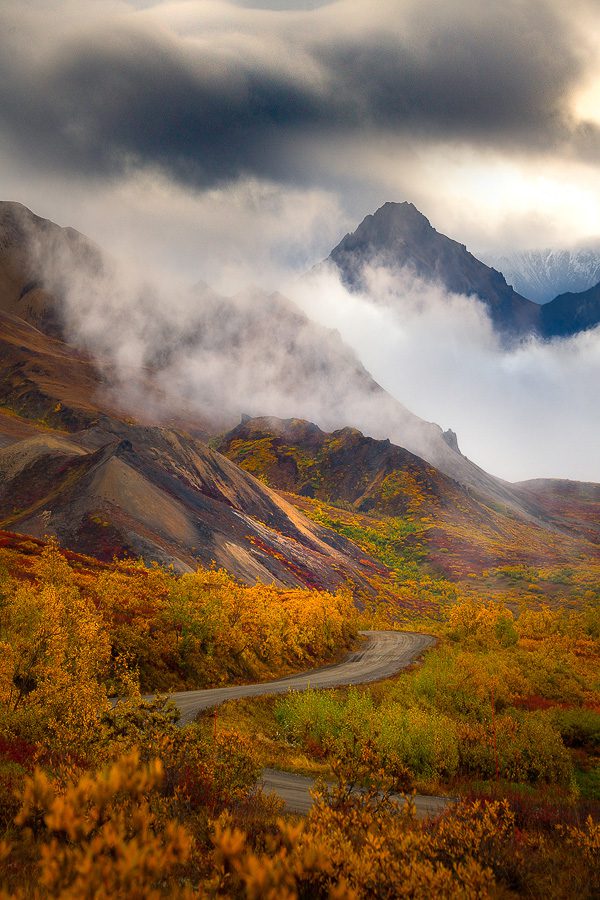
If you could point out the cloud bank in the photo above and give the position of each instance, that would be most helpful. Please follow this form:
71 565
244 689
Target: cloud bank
479 113
211 92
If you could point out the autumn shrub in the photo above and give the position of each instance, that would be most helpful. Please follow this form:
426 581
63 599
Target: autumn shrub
204 767
423 742
102 836
590 618
365 846
11 779
54 655
480 624
551 672
207 771
528 748
583 843
135 722
205 627
455 715
64 630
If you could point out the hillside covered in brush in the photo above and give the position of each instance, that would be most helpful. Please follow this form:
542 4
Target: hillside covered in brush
419 522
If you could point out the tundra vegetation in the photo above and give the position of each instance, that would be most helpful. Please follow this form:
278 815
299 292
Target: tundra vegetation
99 800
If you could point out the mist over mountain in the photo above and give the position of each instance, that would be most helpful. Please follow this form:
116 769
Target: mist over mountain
164 351
400 240
399 237
197 359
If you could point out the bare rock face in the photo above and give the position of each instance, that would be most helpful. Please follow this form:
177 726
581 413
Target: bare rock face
451 439
155 493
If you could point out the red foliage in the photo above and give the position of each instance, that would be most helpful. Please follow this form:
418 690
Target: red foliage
17 751
541 813
535 702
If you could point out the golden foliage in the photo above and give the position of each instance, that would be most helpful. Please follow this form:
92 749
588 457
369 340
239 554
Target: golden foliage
56 653
101 837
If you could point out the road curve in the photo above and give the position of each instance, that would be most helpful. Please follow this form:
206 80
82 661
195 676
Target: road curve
383 654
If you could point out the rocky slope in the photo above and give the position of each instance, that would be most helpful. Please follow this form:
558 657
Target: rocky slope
343 466
376 484
155 493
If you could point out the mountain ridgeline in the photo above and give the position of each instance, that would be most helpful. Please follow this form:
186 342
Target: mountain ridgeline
114 459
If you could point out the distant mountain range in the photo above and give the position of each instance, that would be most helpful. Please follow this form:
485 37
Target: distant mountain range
542 275
401 239
117 461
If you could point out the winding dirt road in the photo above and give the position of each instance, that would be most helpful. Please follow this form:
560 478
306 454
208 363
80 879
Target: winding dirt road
383 654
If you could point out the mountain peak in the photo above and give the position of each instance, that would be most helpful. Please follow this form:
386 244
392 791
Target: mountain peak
391 224
399 237
404 211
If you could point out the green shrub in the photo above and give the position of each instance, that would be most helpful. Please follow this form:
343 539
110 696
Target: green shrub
578 727
424 741
310 716
462 682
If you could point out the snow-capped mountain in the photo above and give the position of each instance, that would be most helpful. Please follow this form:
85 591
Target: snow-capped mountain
541 275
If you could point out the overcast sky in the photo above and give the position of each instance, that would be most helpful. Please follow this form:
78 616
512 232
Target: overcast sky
260 132
237 142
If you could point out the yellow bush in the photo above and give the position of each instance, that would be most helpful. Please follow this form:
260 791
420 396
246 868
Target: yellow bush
101 837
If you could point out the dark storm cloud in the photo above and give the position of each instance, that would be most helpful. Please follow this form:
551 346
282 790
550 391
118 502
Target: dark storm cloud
249 94
135 100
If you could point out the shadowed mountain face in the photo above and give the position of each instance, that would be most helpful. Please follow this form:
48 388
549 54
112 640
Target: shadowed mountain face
569 314
399 237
